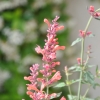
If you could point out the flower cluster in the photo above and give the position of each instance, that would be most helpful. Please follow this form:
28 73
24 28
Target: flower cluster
93 12
38 89
83 34
49 55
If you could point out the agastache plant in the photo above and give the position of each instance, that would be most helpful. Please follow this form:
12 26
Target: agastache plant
38 89
82 66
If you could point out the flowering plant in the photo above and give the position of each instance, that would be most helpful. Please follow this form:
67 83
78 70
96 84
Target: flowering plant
38 89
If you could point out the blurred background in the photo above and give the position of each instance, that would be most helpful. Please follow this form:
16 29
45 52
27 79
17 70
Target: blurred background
22 28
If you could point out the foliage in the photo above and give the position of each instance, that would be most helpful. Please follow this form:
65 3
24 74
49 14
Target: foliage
21 29
48 79
82 67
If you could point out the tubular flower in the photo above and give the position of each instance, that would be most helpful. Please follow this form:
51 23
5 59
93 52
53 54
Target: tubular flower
49 55
79 61
55 78
83 34
51 45
34 74
93 12
63 98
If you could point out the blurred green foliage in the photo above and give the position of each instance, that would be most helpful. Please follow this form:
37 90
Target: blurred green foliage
21 29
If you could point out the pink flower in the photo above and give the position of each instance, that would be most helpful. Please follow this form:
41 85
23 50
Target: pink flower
60 28
39 50
32 87
57 47
63 98
55 78
79 60
52 95
47 22
36 96
83 33
91 9
49 55
93 13
43 83
51 44
52 56
34 74
66 69
88 33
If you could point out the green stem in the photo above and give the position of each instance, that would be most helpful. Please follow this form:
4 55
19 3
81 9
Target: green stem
88 24
86 92
86 61
82 52
82 56
69 86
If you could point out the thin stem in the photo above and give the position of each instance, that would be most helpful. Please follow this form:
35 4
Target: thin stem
47 88
86 61
86 91
82 52
88 24
82 56
69 86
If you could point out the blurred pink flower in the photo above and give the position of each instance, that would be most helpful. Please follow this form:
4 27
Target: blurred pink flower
63 98
93 12
49 55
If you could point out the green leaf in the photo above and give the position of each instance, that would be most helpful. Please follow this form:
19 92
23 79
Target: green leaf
62 84
91 35
97 72
76 41
90 66
72 97
72 68
88 77
57 95
75 68
72 82
97 69
97 98
97 18
78 68
96 84
88 99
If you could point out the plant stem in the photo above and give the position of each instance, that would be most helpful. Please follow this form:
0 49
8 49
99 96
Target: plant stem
82 53
86 61
82 56
88 24
86 91
69 86
47 88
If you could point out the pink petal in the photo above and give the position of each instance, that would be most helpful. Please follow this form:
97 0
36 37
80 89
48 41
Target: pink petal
63 98
39 50
91 9
47 22
60 28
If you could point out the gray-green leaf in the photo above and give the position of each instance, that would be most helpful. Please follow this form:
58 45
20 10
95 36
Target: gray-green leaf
71 97
76 41
91 35
59 85
58 94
